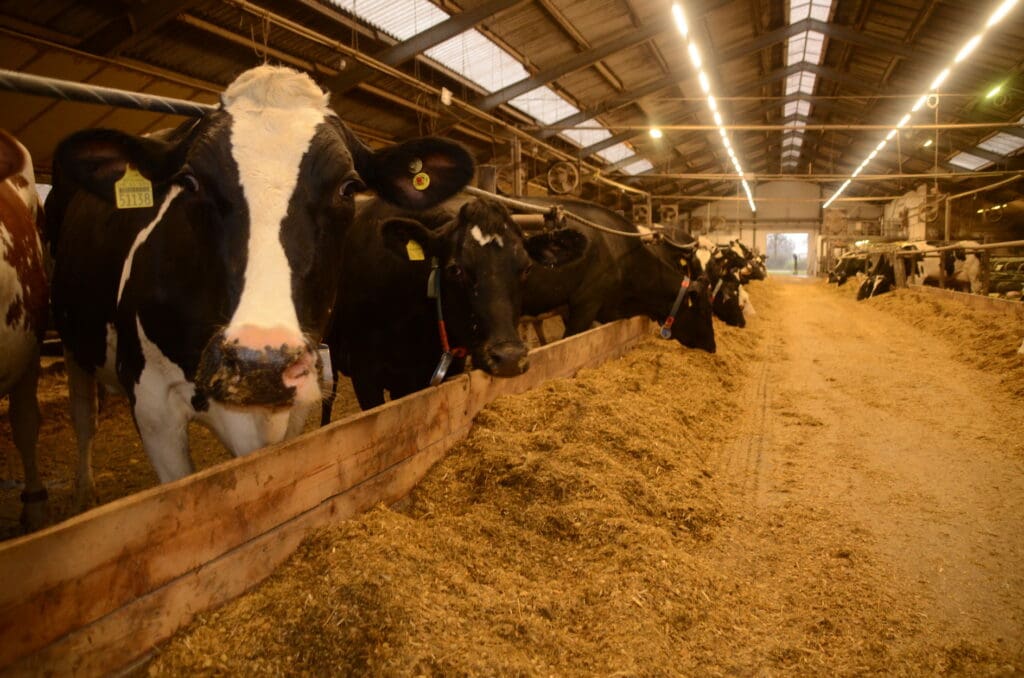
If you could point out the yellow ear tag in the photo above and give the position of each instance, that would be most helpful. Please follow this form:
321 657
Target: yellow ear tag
414 250
421 181
133 190
682 262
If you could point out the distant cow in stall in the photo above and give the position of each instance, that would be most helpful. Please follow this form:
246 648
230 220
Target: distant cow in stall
756 268
24 296
620 276
209 304
961 266
387 333
881 275
847 267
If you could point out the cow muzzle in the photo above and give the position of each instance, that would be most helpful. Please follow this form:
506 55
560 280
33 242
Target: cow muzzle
258 367
506 359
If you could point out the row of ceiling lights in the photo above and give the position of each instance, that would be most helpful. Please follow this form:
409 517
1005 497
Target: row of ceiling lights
705 85
964 52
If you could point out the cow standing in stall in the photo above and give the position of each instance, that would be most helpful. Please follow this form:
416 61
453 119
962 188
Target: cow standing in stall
620 276
404 273
960 267
208 305
24 296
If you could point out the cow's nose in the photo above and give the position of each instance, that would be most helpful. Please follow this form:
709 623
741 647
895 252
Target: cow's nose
257 366
507 359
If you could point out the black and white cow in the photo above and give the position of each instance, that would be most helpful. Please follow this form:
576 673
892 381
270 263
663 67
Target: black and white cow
24 296
756 269
721 265
962 266
619 277
386 333
209 305
848 266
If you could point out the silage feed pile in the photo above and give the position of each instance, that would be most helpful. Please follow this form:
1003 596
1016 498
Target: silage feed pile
557 539
985 339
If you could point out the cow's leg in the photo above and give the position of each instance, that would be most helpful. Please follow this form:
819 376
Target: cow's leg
581 317
163 427
24 414
82 394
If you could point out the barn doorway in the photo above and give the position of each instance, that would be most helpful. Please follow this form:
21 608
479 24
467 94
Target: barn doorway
781 249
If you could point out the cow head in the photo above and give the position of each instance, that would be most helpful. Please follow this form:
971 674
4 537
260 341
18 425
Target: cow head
484 258
726 301
692 325
250 206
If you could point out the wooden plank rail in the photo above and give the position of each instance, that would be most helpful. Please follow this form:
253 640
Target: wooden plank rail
92 594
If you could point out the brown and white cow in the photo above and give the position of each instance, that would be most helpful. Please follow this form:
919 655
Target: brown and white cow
209 305
23 304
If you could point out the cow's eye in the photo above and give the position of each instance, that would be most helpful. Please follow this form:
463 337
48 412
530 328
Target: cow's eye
456 272
350 187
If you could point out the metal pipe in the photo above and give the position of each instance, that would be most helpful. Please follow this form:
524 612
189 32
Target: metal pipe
1018 175
739 127
12 81
971 248
826 178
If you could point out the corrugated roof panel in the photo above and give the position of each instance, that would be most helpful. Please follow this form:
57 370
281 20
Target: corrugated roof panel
476 58
544 104
400 19
616 153
638 167
1003 144
968 161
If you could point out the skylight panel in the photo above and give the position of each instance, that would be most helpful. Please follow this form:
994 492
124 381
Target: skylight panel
638 167
544 104
400 19
473 56
793 140
796 108
804 9
968 161
616 153
802 82
1002 143
806 46
586 137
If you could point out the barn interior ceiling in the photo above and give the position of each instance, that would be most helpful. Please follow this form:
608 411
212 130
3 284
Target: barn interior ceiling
802 89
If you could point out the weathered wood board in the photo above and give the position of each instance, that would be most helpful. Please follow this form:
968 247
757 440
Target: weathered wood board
92 594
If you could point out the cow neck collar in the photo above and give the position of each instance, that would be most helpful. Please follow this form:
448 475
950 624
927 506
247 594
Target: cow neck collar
434 290
666 327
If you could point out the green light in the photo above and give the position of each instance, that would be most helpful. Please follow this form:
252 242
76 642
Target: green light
994 91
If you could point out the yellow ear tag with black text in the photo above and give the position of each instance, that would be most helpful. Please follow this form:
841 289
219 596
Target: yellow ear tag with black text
414 250
421 181
133 190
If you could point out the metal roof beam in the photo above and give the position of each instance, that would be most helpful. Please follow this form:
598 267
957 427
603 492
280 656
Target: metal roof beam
419 43
581 60
144 19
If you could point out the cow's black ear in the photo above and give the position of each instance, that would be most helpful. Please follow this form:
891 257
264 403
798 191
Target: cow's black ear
557 248
96 158
409 239
419 173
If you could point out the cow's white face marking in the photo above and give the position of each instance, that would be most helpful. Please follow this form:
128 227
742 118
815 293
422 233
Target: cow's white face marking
704 256
126 270
274 119
484 240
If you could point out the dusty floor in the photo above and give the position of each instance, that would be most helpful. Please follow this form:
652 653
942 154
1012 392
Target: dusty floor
839 491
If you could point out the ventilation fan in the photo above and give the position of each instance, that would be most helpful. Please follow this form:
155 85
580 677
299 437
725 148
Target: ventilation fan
641 215
669 214
563 177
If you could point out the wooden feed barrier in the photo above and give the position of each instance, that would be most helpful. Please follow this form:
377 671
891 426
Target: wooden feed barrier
96 593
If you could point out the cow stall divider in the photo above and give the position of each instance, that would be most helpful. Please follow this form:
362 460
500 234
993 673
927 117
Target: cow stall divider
94 594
